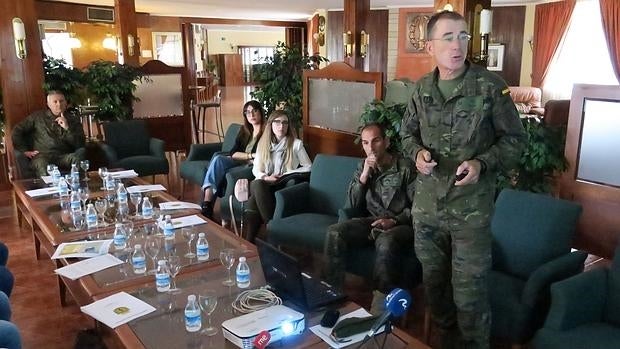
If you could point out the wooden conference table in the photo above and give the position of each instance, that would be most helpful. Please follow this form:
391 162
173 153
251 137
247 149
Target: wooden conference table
165 327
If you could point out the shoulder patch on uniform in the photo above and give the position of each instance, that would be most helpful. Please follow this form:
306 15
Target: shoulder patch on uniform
505 91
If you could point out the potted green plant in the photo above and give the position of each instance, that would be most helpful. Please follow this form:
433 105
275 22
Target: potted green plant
279 80
59 76
388 115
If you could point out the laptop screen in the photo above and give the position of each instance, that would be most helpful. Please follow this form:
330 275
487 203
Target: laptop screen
282 273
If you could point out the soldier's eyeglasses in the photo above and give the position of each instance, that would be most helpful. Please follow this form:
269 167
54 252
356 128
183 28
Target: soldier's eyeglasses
462 37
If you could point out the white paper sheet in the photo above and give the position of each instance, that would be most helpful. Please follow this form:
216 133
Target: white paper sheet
47 179
177 205
42 192
123 174
117 309
88 266
323 332
186 221
145 188
82 249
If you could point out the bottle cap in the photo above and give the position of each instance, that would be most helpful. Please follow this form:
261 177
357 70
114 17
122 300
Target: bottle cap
201 235
161 262
191 298
241 259
168 216
137 246
118 225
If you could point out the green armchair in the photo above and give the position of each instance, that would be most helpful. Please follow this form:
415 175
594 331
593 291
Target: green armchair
194 168
532 236
585 311
128 145
304 211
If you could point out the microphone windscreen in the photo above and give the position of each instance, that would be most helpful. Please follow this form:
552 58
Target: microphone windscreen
398 302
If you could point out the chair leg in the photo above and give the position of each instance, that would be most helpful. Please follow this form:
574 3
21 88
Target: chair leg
427 326
182 188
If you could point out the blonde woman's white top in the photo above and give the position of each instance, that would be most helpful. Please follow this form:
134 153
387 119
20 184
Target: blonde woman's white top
276 166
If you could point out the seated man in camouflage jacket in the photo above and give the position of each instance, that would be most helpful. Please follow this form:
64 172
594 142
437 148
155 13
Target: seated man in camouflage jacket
383 186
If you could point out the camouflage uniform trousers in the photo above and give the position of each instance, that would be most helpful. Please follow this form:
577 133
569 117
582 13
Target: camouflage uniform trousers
63 161
390 246
456 265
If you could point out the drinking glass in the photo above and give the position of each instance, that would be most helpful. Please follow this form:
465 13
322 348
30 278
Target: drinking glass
153 245
129 231
189 235
78 219
84 194
50 170
208 302
103 173
227 258
174 264
135 199
84 165
101 205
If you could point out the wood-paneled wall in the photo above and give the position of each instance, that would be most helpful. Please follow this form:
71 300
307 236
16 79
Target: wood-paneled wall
377 24
508 23
409 64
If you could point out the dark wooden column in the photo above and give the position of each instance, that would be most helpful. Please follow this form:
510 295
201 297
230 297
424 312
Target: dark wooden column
22 79
355 14
125 20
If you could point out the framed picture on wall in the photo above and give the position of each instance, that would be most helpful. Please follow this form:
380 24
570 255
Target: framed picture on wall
495 61
168 48
416 31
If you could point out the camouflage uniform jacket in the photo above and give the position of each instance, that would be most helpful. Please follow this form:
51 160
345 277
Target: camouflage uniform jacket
478 121
40 132
386 194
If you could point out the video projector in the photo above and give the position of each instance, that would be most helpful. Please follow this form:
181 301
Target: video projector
278 320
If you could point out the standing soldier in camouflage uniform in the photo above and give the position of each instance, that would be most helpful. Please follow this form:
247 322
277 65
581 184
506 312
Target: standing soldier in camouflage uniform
50 136
383 186
461 127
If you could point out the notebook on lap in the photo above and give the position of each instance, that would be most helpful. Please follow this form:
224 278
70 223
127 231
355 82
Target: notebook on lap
282 272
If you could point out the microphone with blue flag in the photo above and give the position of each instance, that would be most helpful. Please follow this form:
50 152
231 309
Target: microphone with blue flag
397 303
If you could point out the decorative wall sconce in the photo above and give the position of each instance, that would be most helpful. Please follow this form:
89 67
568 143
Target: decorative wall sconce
364 42
319 36
347 41
109 42
130 44
486 22
19 35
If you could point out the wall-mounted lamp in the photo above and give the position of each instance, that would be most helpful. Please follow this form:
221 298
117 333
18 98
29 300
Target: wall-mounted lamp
109 42
130 45
530 40
319 36
347 41
364 42
19 35
486 23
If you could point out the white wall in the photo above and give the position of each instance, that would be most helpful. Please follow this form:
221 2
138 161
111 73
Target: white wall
226 41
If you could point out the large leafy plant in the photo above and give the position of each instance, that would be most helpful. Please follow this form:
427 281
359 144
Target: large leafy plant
60 76
542 160
279 80
389 116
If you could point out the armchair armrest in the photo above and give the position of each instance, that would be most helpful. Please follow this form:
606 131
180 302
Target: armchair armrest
203 151
156 148
233 175
558 269
292 200
578 300
346 213
110 153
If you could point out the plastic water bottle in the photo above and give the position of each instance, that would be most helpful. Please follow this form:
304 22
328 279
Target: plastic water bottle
109 183
138 260
120 238
75 172
63 187
122 212
91 216
121 194
168 228
243 273
76 203
202 247
147 208
192 314
162 277
74 183
55 176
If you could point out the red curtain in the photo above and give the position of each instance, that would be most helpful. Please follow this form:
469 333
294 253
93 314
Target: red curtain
550 24
610 13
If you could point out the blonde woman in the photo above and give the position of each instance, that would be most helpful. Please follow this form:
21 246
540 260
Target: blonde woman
279 152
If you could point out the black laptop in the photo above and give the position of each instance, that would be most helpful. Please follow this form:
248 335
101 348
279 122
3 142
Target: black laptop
282 272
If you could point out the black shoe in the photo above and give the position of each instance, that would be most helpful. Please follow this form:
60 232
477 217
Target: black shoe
207 209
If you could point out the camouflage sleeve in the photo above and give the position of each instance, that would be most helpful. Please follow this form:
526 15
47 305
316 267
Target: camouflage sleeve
410 129
74 135
510 141
21 134
356 194
409 174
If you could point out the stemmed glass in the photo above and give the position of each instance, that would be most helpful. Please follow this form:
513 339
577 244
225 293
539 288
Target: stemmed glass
208 302
84 194
227 258
174 264
129 231
84 165
50 170
135 199
101 205
189 235
103 173
78 219
153 245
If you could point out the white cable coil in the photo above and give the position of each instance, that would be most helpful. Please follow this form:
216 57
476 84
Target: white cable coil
253 300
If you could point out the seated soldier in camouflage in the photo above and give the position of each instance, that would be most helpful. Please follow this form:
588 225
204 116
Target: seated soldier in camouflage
50 136
382 186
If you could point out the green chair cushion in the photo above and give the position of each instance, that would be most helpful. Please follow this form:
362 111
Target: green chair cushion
612 310
329 181
595 335
305 229
194 171
128 138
